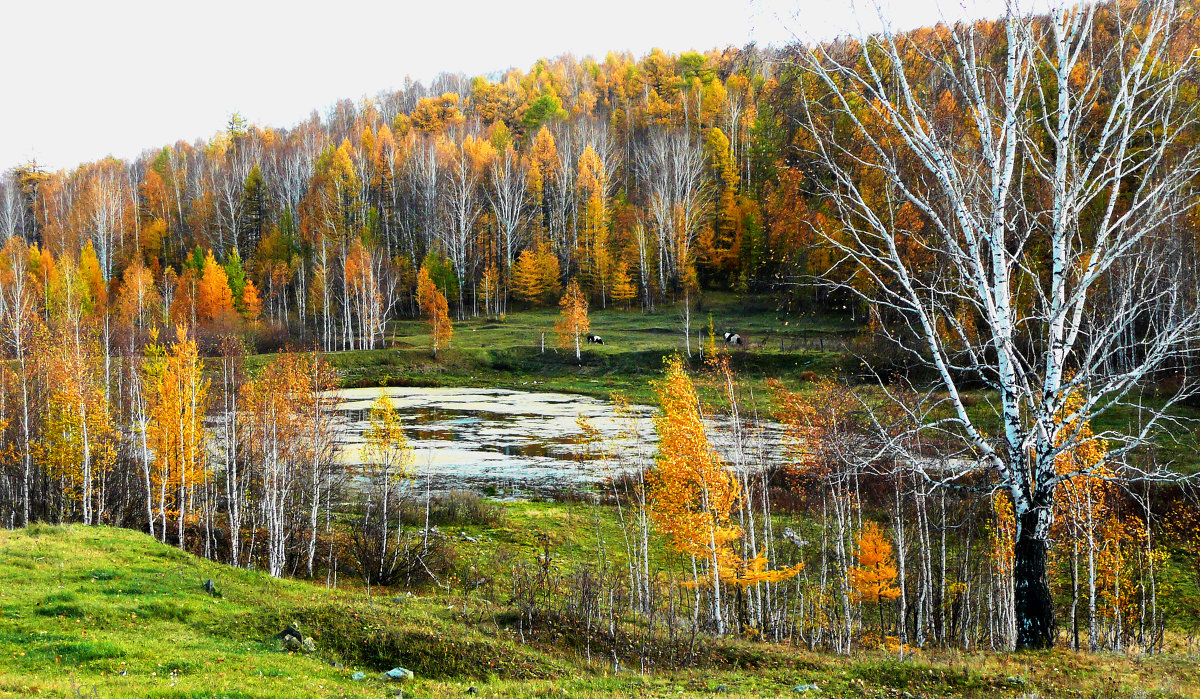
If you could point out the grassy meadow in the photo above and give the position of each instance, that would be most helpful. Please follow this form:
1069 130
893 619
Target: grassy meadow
507 352
112 613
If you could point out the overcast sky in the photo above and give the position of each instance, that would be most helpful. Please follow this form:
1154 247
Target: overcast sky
85 79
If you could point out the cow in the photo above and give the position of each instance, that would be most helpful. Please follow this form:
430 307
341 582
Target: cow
595 340
734 339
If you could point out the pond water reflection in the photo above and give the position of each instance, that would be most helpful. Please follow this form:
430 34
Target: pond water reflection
509 440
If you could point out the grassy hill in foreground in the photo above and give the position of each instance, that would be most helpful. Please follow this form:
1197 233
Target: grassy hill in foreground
115 613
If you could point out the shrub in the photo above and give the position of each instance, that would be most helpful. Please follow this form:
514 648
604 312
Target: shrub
455 508
413 559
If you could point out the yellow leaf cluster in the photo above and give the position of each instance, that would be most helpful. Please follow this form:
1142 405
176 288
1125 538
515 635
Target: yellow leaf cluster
874 577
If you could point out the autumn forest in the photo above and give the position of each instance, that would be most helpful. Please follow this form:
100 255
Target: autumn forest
916 314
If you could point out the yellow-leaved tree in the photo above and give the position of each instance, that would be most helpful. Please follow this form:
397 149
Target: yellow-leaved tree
573 318
692 497
623 289
437 312
874 576
79 440
387 460
535 275
78 444
251 302
527 278
1087 521
177 400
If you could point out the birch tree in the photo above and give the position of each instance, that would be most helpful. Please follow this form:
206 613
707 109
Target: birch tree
18 313
1044 204
507 195
12 206
672 171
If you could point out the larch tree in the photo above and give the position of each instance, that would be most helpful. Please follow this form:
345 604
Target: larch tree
623 288
527 282
874 574
214 298
690 494
594 184
573 320
252 304
436 311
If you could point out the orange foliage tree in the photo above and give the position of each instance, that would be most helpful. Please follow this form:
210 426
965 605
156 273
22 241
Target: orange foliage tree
437 311
874 576
573 318
251 302
691 496
214 299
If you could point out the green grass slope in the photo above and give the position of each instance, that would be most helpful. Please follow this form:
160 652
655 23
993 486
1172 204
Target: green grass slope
112 613
115 611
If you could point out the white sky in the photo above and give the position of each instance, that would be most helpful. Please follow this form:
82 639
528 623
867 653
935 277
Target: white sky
81 79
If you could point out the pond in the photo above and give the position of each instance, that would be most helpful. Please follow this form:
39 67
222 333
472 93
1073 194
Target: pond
506 440
514 442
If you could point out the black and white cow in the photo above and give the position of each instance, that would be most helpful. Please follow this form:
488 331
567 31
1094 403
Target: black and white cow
733 339
595 340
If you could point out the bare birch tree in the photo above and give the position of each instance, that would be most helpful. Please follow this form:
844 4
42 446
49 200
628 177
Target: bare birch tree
507 195
12 206
673 172
1044 210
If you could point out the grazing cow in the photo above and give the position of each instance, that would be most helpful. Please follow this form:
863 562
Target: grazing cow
594 340
733 339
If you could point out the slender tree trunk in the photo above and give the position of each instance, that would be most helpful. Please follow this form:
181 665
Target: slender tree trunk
1075 595
901 567
1093 639
27 476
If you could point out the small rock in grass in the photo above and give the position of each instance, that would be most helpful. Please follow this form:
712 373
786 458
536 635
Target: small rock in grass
296 642
210 587
472 690
358 676
806 688
399 674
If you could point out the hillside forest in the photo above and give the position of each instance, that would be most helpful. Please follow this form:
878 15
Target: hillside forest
1001 212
